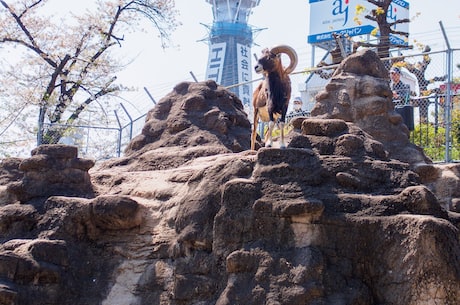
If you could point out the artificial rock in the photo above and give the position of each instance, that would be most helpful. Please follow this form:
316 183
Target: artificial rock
189 216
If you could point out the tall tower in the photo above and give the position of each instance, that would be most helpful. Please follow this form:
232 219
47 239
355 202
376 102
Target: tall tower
230 41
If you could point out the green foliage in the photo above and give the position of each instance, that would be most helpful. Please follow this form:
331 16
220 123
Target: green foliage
456 124
433 140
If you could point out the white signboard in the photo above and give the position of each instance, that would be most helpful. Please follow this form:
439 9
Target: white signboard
216 61
340 16
244 75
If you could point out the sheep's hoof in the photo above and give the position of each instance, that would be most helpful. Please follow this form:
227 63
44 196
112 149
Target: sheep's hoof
268 145
283 146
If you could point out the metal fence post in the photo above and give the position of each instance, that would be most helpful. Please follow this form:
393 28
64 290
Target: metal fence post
448 116
130 121
120 130
150 96
193 76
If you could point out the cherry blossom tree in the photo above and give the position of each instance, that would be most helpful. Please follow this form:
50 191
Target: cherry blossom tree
64 65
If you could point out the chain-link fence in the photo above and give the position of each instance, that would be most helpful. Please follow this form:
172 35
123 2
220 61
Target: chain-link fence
95 142
430 108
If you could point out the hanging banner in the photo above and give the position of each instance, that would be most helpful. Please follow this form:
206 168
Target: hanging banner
216 61
243 58
341 17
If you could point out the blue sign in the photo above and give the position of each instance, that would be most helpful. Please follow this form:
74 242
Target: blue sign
401 3
355 31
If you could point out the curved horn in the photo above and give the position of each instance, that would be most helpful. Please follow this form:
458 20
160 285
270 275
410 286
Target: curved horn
289 52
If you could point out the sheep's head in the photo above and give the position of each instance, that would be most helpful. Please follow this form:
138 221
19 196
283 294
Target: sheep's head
271 59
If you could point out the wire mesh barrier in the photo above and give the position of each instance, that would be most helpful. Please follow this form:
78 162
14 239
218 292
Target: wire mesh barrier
130 130
93 142
429 106
430 109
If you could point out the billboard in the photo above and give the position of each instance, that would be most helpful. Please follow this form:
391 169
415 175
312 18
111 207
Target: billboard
340 16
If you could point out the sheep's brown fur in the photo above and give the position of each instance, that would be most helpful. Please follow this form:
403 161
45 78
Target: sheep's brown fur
271 97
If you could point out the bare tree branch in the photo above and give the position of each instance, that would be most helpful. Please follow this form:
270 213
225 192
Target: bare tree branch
105 90
32 45
399 21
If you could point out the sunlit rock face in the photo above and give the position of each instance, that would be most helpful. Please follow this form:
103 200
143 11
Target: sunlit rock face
53 170
190 216
195 119
359 92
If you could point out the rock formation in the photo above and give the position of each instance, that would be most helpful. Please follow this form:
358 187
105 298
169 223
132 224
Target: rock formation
359 93
193 120
53 170
190 216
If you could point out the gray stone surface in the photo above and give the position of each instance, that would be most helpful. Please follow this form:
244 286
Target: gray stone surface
190 216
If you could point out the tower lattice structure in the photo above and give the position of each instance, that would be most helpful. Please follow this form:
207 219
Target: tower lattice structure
230 41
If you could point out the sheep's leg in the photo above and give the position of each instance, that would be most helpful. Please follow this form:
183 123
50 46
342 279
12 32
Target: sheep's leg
254 129
269 141
281 125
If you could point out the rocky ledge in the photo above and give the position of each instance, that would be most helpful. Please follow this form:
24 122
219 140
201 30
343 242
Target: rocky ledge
190 216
